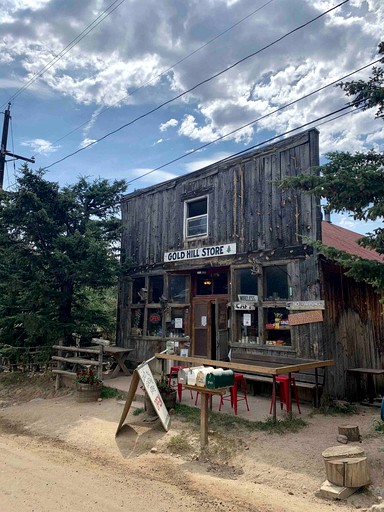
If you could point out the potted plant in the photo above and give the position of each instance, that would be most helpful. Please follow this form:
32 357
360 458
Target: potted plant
88 386
167 393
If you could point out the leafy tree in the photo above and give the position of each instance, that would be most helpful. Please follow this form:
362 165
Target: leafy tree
355 183
58 248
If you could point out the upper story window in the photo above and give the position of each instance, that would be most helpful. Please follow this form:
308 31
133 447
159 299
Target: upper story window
196 217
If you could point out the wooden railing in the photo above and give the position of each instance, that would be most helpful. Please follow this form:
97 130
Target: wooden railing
69 360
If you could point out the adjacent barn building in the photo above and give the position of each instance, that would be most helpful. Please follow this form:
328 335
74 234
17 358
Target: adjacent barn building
218 260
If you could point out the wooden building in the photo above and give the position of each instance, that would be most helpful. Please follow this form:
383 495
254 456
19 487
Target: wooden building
217 259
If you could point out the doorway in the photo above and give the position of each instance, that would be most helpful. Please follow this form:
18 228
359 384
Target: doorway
210 328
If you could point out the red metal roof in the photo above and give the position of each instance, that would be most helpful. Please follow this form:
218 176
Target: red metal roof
345 240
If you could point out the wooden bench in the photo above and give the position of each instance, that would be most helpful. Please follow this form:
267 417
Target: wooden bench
305 379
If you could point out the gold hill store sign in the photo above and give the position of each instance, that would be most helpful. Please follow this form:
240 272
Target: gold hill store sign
201 252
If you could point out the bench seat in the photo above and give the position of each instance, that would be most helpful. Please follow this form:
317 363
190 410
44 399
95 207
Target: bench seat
306 379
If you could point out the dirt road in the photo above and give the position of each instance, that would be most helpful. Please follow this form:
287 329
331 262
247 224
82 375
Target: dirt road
59 455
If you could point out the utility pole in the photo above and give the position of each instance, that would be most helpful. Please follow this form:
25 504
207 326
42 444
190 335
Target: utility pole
4 152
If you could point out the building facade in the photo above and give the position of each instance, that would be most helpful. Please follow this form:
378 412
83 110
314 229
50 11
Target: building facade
218 258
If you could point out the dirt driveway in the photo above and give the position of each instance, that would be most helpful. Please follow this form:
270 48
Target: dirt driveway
58 454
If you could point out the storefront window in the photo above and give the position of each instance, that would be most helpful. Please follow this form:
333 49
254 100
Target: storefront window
211 283
155 289
246 282
276 282
139 292
178 289
137 321
177 325
154 322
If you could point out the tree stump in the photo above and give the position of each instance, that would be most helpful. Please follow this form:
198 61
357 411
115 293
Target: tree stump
343 452
351 472
350 431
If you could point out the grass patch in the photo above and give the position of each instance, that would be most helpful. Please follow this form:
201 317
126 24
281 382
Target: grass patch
379 426
137 412
179 444
230 422
107 392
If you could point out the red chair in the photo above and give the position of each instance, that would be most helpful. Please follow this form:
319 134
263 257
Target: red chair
233 393
283 381
174 371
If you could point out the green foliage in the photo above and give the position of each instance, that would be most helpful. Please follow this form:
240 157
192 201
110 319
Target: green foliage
57 250
107 392
354 183
379 426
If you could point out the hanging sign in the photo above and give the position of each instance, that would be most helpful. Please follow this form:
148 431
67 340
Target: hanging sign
306 304
244 306
248 298
308 317
201 252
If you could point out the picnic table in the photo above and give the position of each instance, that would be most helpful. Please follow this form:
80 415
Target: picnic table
119 355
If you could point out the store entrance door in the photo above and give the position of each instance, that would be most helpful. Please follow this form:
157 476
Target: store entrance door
210 328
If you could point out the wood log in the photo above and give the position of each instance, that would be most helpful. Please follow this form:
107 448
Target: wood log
351 431
352 472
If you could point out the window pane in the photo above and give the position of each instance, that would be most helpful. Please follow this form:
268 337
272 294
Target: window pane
197 226
138 290
220 284
155 288
247 282
137 318
178 289
196 208
154 322
276 282
204 284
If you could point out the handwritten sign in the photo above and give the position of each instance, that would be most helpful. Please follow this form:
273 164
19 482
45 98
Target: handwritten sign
149 383
306 304
308 317
244 306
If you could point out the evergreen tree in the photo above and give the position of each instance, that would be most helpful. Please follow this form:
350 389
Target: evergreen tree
355 183
56 246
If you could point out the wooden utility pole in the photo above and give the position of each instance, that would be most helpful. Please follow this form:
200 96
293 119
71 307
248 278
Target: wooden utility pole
4 152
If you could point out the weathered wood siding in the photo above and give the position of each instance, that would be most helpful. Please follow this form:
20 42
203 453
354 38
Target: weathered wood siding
353 329
246 205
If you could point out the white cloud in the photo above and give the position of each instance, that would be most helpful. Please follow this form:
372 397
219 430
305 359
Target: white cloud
41 146
86 142
159 141
150 177
171 123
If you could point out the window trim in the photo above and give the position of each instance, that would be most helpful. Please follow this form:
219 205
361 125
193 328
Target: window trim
185 224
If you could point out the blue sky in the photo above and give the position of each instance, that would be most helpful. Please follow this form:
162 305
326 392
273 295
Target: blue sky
126 64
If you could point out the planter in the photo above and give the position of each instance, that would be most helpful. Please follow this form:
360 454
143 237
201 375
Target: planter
88 392
169 400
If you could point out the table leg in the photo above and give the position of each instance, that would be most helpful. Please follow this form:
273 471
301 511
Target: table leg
370 388
204 420
274 401
289 397
120 365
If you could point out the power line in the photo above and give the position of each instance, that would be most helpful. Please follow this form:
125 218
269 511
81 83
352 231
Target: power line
253 54
107 12
144 84
251 147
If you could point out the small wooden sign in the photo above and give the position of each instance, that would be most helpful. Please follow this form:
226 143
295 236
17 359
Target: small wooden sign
309 317
306 304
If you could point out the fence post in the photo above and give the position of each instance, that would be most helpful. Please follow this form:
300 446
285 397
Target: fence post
59 366
100 369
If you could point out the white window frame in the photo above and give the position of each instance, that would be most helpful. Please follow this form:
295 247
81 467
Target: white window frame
186 203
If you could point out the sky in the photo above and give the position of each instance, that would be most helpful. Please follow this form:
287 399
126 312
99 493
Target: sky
77 71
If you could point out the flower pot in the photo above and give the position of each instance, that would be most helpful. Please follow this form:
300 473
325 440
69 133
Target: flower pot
87 392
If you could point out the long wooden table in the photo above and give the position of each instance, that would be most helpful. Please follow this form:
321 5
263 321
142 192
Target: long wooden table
370 373
264 370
